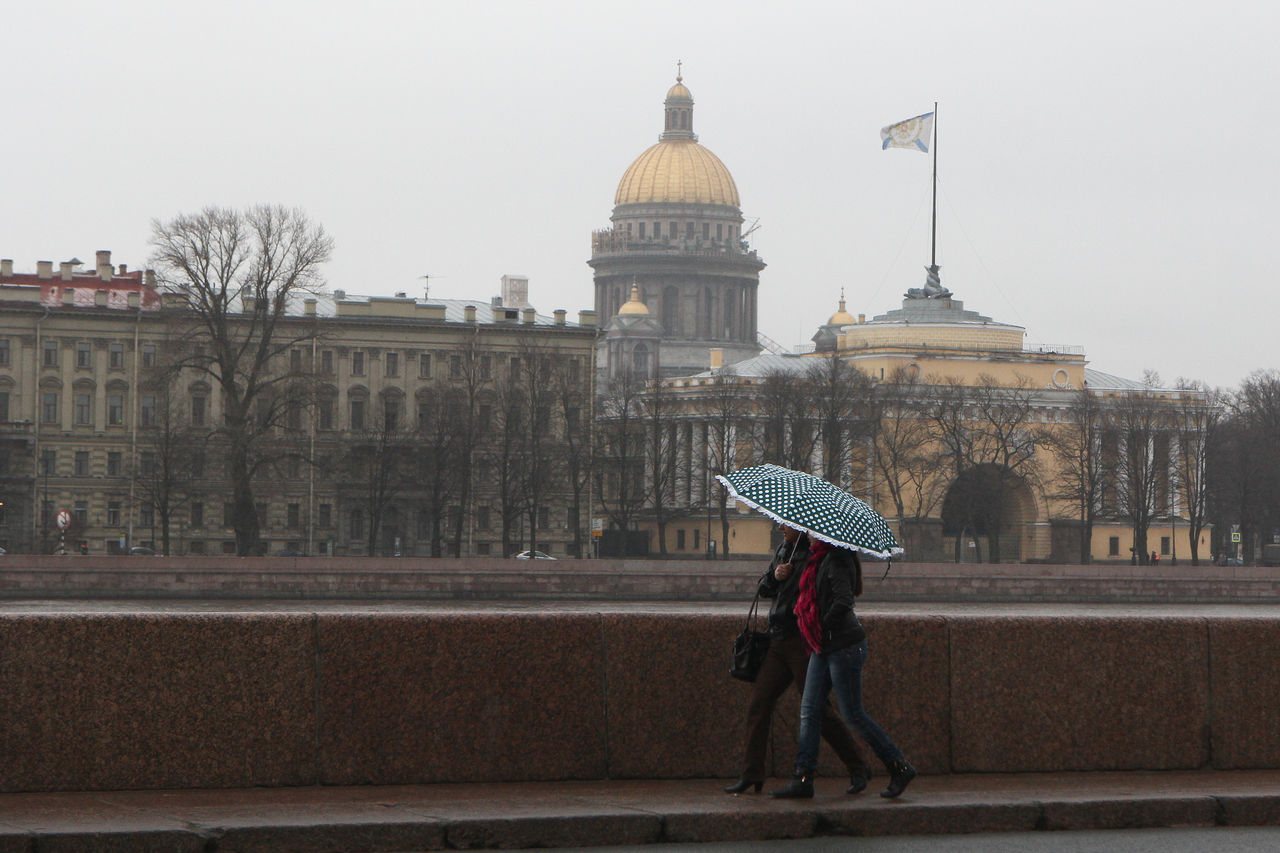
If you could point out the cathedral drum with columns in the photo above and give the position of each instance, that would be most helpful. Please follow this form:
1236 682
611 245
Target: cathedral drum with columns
676 255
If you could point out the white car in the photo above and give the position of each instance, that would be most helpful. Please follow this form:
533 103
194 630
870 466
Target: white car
533 555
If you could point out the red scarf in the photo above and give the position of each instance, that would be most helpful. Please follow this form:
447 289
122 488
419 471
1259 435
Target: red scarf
806 609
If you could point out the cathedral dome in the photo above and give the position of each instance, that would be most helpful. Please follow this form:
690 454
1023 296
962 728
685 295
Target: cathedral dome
677 169
841 317
634 305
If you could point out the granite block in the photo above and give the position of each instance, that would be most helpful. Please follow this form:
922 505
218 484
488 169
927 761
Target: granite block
673 709
552 831
789 819
928 818
1245 685
1130 813
137 700
332 835
1078 693
1248 810
412 698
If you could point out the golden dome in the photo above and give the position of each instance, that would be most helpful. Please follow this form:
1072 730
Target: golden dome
634 305
677 170
841 317
679 90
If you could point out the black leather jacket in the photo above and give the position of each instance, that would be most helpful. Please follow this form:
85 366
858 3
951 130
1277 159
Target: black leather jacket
782 617
838 581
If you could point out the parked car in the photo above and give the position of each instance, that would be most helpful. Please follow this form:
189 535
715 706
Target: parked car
533 555
288 552
142 551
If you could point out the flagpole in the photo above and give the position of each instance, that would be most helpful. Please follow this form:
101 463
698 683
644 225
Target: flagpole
933 247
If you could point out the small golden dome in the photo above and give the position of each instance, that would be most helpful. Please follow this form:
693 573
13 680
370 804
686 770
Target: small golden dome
841 317
677 170
634 305
679 90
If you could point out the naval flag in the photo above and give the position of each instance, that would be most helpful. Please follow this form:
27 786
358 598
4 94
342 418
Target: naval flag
912 133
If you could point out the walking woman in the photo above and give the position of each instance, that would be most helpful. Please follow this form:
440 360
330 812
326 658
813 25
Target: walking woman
787 662
831 631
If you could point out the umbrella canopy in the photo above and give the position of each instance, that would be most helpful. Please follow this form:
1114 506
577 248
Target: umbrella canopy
813 505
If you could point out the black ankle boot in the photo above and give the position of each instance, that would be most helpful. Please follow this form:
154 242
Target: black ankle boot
800 786
742 786
900 775
857 783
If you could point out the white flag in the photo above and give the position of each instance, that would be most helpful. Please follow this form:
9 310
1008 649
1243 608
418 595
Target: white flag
912 133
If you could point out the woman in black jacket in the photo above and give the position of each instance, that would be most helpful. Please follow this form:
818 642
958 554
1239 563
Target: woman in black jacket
786 662
824 613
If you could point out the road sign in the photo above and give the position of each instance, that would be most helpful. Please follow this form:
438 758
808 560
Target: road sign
64 519
1235 537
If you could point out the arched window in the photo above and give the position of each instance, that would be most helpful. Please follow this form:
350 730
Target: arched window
640 360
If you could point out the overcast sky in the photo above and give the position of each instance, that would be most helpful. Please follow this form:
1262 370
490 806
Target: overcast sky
1107 170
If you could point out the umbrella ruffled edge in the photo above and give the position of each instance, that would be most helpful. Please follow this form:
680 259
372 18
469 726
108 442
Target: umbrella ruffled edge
733 493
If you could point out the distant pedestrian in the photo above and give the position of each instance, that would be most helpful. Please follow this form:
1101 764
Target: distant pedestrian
1155 558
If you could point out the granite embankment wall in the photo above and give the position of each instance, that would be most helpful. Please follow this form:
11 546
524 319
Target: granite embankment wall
184 699
98 577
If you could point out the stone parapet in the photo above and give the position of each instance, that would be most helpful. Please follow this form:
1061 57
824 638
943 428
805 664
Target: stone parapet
370 696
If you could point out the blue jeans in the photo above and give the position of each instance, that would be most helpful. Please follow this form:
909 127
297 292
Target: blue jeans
840 671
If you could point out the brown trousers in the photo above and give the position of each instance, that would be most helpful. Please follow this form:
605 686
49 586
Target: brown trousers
787 662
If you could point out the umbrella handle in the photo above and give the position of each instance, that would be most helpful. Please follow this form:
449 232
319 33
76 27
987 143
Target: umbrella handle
887 566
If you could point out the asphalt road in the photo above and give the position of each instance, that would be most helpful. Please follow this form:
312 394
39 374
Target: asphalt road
1181 840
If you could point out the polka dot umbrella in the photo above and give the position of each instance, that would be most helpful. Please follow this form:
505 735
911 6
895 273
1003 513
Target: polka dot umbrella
813 505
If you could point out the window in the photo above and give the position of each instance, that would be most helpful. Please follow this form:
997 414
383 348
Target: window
197 464
324 414
81 512
84 354
198 411
49 407
455 367
390 415
486 367
115 356
357 524
146 515
326 516
148 355
424 414
4 352
48 462
357 414
680 540
484 415
544 518
688 230
642 229
295 361
228 515
706 231
50 354
293 467
1113 546
197 514
147 462
113 513
1164 545
294 519
195 547
357 363
148 413
115 409
424 364
261 510
391 361
113 463
293 416
515 365
326 362
657 230
82 463
482 517
674 230
46 513
84 410
4 406
719 230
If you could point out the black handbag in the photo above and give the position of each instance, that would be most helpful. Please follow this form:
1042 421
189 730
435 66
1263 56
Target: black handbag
749 648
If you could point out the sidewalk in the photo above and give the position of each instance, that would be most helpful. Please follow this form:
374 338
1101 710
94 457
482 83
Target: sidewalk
572 814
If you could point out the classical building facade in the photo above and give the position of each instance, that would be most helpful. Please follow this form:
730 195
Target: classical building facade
676 238
954 428
85 427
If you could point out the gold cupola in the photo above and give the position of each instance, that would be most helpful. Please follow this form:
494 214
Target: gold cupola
634 305
841 317
677 169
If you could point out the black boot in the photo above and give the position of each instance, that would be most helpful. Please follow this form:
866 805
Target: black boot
900 775
742 786
857 783
800 786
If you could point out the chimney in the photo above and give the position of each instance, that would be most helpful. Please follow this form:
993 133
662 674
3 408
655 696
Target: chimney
717 358
134 299
587 319
124 269
66 268
469 313
151 278
6 267
862 318
339 295
104 264
250 302
44 269
559 315
527 315
309 306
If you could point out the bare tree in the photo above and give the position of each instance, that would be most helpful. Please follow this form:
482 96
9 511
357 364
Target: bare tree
1076 447
377 468
620 435
662 456
438 459
841 395
170 450
238 274
725 410
903 451
1198 415
1139 421
574 405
